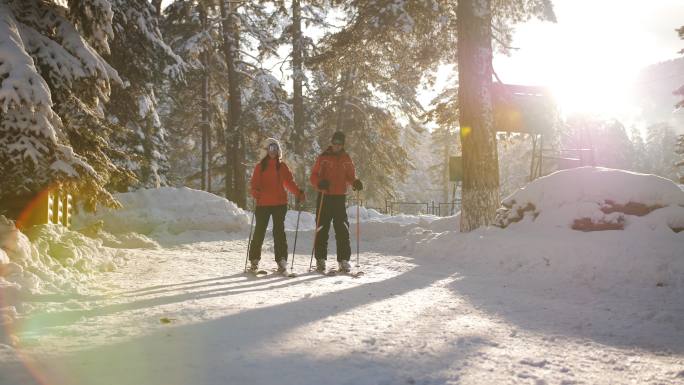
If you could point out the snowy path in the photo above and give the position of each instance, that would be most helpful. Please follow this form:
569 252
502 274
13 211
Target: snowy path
187 315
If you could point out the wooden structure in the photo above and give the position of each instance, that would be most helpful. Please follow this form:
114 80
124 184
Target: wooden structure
51 206
529 110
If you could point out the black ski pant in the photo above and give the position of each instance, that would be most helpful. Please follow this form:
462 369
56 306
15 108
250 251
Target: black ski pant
262 215
334 210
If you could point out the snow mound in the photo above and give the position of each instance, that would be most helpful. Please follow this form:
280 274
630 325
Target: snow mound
376 225
129 240
555 257
540 249
451 223
54 260
371 215
168 211
307 221
596 198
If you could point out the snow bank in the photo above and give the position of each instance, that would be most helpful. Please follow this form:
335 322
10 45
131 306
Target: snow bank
167 212
307 221
371 215
540 249
387 225
452 223
607 260
596 198
54 261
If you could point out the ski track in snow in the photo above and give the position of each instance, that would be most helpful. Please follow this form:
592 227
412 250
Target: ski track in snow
188 315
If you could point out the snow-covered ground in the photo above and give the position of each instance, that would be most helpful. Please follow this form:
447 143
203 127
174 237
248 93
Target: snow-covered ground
533 303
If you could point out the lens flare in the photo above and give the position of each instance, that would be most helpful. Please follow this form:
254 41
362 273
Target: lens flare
31 211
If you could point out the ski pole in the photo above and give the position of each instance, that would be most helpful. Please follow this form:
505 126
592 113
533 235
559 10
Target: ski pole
358 221
249 242
294 247
318 218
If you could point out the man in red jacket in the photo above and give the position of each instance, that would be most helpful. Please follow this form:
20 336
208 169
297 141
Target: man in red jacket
332 173
270 179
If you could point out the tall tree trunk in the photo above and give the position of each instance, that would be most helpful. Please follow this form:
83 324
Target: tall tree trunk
157 5
342 116
204 103
209 151
235 145
220 132
446 181
480 194
297 98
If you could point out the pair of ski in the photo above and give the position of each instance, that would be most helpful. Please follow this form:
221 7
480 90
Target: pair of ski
329 273
334 272
264 273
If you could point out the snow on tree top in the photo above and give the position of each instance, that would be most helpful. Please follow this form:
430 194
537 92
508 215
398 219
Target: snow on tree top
21 82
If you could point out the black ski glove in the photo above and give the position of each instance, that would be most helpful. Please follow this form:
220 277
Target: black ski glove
324 184
357 185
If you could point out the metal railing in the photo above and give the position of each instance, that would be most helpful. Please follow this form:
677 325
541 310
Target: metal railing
441 209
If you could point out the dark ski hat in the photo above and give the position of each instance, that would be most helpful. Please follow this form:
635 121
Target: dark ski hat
338 138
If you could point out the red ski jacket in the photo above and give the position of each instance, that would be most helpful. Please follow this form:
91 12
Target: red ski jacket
336 168
268 185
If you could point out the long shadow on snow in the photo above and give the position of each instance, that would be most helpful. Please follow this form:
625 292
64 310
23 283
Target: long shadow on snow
155 288
245 358
630 321
44 320
272 276
39 321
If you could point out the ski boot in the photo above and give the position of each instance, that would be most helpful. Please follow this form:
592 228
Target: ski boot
344 266
320 265
282 266
253 267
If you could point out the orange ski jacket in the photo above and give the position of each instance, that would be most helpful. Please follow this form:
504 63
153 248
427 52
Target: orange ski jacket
268 185
336 168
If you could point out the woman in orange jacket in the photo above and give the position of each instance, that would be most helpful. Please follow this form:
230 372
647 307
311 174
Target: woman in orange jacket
270 179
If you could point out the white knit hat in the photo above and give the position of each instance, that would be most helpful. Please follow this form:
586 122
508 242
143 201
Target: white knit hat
263 149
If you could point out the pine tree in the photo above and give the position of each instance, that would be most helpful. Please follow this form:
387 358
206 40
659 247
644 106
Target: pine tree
296 17
445 145
444 112
480 163
680 90
366 77
205 96
245 26
515 157
679 150
398 43
235 145
143 60
297 83
194 107
639 158
373 132
661 146
608 140
264 106
680 140
54 89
